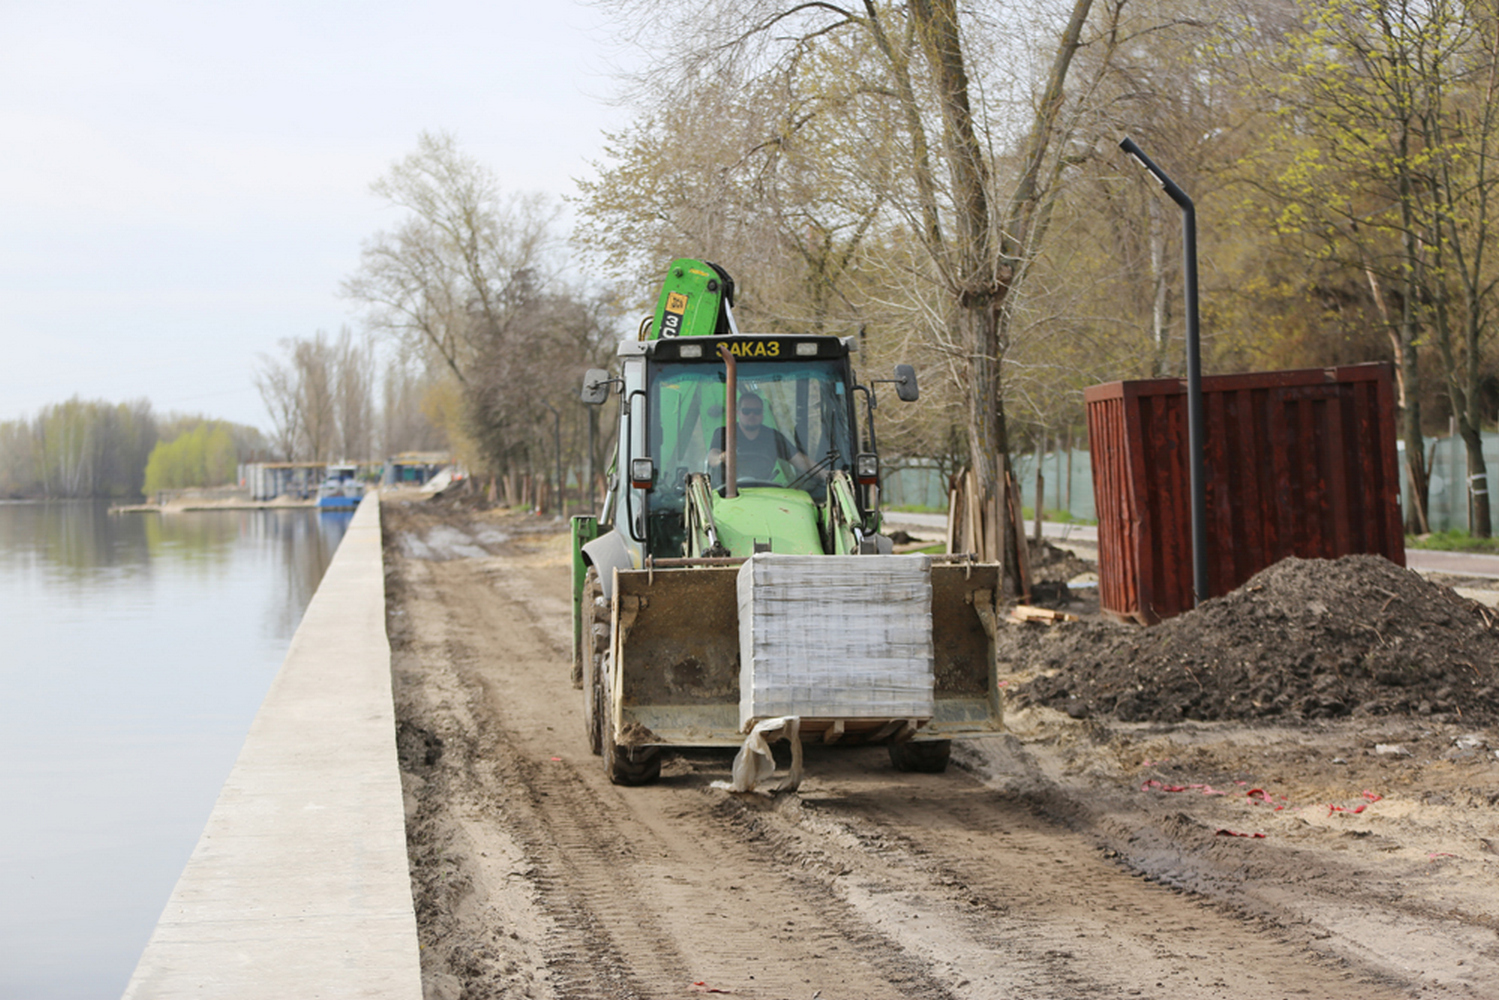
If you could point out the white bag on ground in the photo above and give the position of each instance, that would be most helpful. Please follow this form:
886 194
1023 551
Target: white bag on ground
754 762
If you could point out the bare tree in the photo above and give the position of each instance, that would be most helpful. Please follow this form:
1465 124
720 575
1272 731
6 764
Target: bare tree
404 424
319 396
277 384
901 74
468 284
438 282
354 366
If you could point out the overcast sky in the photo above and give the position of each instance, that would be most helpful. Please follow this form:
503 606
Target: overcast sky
185 184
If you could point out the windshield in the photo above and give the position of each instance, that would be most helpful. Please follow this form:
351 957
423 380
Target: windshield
802 425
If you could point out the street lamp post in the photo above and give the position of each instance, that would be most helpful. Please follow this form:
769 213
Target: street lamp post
1195 416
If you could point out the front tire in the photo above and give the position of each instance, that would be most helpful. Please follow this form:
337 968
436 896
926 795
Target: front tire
624 765
926 757
643 769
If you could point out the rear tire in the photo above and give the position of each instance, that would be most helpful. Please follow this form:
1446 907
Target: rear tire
927 757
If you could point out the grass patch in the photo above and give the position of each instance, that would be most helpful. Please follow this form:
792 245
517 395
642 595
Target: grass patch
1452 540
1055 516
1027 513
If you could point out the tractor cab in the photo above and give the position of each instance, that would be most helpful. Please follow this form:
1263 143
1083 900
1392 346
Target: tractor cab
790 428
733 443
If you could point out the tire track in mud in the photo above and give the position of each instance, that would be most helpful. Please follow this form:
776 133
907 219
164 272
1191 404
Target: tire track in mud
1044 913
486 785
645 877
641 894
867 884
675 910
582 872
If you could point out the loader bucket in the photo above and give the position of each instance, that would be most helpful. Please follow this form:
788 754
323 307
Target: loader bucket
676 656
676 673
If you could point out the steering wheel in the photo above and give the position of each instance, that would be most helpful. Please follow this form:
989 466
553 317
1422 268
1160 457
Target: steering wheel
715 474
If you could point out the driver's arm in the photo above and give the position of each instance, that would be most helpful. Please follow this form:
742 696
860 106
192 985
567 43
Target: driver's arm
803 465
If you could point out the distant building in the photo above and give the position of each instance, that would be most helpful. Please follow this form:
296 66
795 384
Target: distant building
414 468
269 480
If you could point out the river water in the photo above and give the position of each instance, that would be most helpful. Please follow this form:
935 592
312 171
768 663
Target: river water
135 650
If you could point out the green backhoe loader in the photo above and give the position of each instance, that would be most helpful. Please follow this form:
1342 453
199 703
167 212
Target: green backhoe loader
737 572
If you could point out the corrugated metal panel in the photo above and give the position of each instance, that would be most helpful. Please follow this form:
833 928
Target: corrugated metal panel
1297 462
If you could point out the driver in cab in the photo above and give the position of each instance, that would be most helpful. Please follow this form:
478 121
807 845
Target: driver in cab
760 447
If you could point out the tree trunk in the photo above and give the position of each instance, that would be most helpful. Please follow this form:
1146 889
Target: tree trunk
1480 525
1040 484
1416 520
1067 498
1160 299
987 448
970 272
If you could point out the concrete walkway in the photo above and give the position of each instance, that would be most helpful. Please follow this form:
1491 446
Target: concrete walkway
1068 535
299 886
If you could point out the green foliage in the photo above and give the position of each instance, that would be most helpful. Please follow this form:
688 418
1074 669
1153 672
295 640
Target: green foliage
81 448
95 449
1055 516
202 456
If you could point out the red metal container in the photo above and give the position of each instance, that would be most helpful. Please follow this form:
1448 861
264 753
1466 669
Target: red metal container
1297 463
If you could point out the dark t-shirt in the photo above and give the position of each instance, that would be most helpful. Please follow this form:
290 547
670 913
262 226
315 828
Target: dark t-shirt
757 458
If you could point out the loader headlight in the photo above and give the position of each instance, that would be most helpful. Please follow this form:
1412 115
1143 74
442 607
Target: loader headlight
867 469
690 351
642 473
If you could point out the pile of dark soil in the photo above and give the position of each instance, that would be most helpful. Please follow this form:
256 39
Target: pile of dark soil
1052 564
1306 638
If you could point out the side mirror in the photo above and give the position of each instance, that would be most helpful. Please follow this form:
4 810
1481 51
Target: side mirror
596 384
905 383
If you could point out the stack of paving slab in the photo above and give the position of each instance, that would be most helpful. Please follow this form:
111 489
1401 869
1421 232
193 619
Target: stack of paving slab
835 637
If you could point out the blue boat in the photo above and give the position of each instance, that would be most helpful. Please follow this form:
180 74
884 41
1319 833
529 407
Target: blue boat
340 489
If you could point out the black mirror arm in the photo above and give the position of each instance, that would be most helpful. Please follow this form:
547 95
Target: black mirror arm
869 414
603 382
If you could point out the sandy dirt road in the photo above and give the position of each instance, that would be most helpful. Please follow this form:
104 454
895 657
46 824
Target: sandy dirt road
1042 865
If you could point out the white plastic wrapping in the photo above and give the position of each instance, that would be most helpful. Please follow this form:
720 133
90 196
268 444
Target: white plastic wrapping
835 637
754 763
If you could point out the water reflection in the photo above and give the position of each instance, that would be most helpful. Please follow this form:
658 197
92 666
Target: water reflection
137 648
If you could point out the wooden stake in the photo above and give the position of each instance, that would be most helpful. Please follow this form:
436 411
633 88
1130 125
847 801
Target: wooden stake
1015 529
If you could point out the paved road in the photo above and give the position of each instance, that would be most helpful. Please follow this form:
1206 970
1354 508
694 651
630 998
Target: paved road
1420 560
1456 563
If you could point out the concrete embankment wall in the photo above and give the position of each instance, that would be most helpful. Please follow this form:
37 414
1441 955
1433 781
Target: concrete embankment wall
299 886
